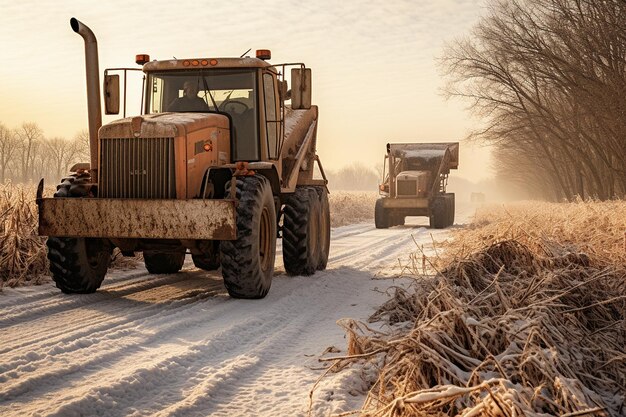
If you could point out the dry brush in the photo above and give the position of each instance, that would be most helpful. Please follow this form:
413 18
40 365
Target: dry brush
525 316
22 252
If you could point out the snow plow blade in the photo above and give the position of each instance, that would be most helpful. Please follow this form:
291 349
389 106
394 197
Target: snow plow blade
133 218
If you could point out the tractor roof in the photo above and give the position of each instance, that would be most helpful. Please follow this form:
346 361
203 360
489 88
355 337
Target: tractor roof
205 63
425 151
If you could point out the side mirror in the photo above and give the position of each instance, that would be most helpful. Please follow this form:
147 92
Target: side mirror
285 93
300 88
112 94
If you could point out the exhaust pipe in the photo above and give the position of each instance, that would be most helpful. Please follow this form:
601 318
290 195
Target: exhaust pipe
94 110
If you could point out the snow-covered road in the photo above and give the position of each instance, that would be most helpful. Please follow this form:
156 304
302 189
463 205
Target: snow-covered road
177 345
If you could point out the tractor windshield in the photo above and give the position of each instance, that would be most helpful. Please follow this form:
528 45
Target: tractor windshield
231 91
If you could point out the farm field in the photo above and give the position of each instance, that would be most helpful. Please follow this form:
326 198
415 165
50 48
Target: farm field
178 345
149 148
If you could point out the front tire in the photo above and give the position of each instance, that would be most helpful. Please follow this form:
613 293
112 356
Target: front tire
381 215
248 261
451 208
78 265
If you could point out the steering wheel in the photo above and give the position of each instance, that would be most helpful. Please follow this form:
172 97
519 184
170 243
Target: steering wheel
237 105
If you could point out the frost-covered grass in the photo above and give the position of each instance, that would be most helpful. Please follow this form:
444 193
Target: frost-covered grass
595 228
525 316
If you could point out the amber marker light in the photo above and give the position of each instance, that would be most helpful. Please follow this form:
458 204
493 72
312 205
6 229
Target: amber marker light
186 63
204 62
263 54
195 62
208 146
142 59
213 62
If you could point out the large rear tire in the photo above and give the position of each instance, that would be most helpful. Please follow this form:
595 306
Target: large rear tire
164 262
248 261
78 265
324 230
301 232
381 215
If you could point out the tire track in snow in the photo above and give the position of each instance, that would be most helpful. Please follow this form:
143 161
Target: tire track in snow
265 335
381 249
94 326
105 313
285 342
177 345
52 301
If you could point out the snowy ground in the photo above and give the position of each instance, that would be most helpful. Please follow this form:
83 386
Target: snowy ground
177 345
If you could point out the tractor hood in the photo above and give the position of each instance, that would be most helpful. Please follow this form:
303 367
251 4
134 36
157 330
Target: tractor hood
162 125
411 175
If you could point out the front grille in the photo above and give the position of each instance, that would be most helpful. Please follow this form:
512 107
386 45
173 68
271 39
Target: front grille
407 188
137 168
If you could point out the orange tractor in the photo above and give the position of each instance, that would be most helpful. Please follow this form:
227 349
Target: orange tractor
217 165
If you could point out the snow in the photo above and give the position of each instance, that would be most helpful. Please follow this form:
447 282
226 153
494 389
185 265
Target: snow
424 153
177 345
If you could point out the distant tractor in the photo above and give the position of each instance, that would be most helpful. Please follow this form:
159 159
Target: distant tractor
477 197
415 176
217 165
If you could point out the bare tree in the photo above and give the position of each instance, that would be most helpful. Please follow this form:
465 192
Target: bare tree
548 77
29 141
8 146
26 155
61 153
81 145
357 177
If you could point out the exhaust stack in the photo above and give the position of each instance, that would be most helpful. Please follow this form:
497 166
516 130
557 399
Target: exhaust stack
94 110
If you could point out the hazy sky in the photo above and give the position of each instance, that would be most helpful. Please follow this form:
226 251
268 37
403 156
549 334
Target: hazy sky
375 78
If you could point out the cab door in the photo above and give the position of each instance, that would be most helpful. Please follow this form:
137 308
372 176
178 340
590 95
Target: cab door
272 115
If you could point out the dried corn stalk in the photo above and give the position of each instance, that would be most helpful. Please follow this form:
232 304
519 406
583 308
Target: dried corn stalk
525 317
22 251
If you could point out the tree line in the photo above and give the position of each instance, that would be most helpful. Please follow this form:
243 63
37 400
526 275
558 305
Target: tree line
354 177
548 77
27 154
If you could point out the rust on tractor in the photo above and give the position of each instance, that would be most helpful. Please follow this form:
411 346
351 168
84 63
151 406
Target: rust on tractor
134 218
216 141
